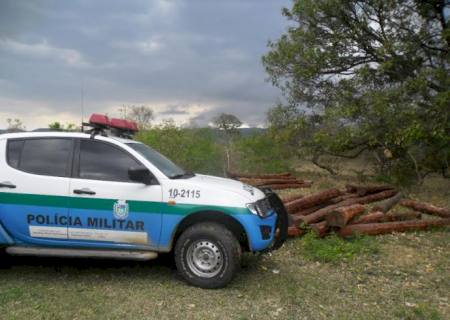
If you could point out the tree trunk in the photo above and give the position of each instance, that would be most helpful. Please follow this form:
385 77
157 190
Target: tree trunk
341 216
312 200
319 214
389 227
426 208
403 216
388 204
320 228
287 186
290 198
369 218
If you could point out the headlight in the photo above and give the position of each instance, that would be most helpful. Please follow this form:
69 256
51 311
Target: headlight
261 208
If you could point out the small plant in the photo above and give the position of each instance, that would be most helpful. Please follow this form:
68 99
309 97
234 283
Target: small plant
334 249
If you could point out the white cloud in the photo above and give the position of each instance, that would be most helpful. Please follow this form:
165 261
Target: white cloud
43 50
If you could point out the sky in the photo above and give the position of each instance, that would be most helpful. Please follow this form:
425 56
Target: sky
188 60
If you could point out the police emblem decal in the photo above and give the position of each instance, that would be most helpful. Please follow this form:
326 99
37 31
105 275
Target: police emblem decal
121 209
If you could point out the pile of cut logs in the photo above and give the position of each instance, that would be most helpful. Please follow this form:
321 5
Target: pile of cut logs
277 181
345 212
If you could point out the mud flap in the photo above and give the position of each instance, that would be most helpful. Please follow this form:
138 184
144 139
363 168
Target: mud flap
282 224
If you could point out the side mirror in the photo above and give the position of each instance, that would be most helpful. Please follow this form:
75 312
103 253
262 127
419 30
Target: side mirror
142 175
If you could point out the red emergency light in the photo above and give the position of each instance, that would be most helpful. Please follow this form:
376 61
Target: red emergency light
99 123
99 120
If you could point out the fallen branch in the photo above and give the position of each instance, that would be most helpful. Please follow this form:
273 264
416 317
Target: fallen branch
389 227
426 208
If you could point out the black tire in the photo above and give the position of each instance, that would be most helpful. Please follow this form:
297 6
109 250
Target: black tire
224 245
5 259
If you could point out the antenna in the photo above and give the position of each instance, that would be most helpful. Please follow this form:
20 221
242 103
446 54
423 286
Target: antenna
82 103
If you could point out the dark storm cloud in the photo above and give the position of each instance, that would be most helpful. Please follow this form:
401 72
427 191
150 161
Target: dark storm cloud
191 58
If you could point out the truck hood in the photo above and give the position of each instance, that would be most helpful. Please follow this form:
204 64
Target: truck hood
245 190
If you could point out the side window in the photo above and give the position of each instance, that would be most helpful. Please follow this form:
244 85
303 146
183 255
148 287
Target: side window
102 161
46 156
13 152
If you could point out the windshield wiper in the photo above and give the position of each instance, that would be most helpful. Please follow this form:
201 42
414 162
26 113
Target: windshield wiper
183 175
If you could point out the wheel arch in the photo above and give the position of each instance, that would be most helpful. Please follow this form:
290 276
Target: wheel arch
219 217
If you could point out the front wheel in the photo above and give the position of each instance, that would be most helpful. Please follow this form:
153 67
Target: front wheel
208 255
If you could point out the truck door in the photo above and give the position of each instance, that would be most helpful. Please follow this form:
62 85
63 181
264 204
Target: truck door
34 188
107 209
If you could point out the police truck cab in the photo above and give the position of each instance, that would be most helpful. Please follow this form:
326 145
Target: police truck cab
100 194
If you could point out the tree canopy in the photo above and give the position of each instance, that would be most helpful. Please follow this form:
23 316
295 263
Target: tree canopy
367 76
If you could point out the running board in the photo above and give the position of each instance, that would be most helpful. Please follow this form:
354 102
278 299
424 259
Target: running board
82 253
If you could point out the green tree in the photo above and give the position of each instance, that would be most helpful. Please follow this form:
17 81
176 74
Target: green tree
194 149
58 126
229 125
376 74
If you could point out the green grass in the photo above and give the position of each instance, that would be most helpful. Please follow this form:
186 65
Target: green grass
335 249
398 276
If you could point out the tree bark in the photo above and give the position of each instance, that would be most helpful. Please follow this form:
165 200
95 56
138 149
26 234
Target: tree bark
403 216
388 204
294 231
426 208
319 214
312 200
341 216
320 228
369 218
389 227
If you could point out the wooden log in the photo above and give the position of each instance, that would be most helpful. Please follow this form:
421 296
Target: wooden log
369 218
341 216
319 214
345 196
312 200
389 227
287 186
426 208
402 216
388 204
306 211
320 228
291 197
294 231
365 190
260 182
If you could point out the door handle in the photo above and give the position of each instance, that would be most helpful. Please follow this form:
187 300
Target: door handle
84 191
7 184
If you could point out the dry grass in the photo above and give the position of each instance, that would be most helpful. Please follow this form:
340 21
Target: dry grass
406 277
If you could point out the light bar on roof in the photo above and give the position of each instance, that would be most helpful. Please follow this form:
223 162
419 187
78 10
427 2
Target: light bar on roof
99 120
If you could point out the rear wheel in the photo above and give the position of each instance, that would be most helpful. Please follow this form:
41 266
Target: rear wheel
208 255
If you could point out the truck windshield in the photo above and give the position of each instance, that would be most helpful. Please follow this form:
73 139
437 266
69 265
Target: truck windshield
169 168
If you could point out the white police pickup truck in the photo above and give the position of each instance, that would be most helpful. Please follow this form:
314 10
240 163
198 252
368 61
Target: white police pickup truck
100 196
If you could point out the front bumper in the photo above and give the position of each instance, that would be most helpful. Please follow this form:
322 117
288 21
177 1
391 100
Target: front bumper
265 234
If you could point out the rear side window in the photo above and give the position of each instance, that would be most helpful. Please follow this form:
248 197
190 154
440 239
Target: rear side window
102 161
46 156
13 152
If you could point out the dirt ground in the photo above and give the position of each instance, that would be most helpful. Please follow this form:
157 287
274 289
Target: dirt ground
400 276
